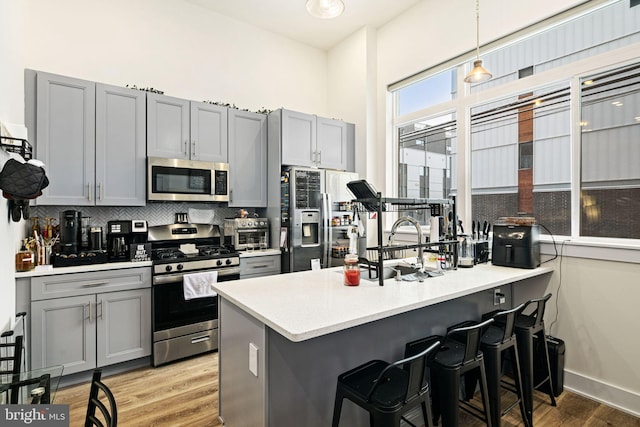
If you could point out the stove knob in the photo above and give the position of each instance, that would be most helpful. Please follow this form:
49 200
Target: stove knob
250 223
228 262
168 268
180 267
218 263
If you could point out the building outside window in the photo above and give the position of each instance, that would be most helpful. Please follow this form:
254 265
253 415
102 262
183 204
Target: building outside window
526 153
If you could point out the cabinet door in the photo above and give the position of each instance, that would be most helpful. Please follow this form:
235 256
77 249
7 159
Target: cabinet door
167 126
63 332
298 139
123 326
208 132
331 146
65 138
120 146
247 159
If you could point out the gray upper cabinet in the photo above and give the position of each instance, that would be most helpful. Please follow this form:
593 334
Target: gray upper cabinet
83 132
312 141
64 137
331 146
120 146
208 132
182 129
298 138
247 159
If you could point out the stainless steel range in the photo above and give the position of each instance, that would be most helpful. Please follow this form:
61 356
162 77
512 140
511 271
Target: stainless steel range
185 327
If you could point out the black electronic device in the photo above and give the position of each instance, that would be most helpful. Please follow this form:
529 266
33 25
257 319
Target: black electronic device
516 246
121 235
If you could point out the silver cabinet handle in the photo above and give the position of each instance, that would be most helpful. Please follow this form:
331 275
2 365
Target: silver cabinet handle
89 312
89 191
231 195
99 315
99 191
196 340
193 148
185 148
93 284
260 266
320 156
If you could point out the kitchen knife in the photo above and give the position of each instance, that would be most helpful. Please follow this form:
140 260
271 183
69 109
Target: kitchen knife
485 230
473 230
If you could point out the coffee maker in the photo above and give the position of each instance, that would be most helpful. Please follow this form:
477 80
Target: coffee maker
70 231
121 235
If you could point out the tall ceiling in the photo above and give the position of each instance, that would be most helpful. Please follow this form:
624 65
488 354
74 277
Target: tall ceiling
289 18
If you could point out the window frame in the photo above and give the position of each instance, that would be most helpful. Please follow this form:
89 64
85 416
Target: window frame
465 101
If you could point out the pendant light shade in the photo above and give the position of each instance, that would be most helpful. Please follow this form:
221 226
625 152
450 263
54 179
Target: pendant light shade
479 73
325 9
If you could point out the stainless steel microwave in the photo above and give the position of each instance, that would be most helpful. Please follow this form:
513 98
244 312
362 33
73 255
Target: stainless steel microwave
187 180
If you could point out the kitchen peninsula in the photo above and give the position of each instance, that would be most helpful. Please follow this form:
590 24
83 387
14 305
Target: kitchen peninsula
285 339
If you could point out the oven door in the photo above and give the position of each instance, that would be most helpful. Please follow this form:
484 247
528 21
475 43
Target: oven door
171 310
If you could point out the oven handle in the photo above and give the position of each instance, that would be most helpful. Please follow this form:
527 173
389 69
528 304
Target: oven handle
196 340
174 278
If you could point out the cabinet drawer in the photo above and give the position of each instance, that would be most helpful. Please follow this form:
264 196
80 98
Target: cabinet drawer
259 266
66 285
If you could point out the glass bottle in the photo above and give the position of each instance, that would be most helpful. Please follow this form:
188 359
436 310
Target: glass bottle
351 270
25 259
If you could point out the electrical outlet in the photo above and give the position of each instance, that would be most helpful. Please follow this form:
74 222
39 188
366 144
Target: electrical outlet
498 297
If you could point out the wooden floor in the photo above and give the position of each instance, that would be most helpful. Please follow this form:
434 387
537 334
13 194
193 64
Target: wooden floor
186 394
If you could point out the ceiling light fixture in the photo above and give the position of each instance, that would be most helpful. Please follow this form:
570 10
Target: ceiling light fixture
479 74
325 9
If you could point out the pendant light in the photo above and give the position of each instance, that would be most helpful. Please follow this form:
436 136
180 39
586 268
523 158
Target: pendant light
325 9
479 74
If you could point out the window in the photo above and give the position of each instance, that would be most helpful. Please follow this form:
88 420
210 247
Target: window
610 140
519 147
425 152
427 92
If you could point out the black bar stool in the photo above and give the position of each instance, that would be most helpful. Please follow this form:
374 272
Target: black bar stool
530 327
497 339
458 355
387 390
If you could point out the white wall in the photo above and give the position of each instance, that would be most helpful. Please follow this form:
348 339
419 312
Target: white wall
175 46
11 92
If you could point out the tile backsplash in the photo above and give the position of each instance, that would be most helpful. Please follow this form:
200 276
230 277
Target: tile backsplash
153 213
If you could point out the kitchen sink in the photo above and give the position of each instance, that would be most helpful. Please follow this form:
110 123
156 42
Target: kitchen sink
407 273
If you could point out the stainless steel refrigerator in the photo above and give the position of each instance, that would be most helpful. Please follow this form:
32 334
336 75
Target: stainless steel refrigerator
311 202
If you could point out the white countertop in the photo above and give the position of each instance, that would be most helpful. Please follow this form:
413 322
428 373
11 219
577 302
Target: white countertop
47 270
310 304
261 252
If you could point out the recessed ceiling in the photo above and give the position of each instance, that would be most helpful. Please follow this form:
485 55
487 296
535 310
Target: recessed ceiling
289 18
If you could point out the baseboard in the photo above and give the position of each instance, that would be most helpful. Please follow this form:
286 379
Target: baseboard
624 400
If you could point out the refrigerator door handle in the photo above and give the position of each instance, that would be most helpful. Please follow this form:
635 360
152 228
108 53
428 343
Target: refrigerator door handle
326 248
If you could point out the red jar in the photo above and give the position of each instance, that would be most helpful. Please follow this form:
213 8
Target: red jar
351 270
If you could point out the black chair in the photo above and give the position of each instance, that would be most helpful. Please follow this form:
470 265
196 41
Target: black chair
11 362
531 338
498 340
458 355
110 414
387 390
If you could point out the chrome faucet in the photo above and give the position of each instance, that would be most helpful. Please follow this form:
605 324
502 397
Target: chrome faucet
416 224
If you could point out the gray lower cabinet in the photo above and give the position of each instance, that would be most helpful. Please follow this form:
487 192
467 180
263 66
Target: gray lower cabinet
265 265
91 137
88 320
247 159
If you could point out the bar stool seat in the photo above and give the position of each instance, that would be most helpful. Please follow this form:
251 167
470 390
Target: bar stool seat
499 339
531 339
387 390
458 355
